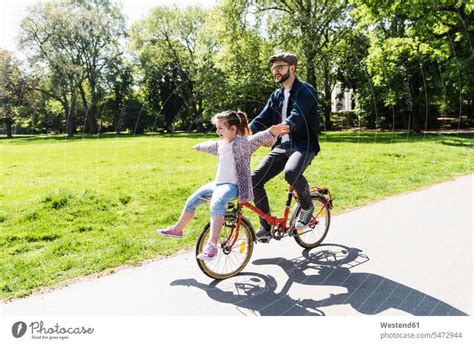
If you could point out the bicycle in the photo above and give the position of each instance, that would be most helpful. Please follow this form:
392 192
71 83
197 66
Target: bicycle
237 237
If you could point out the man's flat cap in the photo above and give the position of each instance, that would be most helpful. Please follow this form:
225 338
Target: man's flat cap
286 57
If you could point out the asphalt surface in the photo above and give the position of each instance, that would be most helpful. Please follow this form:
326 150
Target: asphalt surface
406 255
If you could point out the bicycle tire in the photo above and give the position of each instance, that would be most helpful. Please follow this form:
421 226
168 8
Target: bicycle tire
224 265
313 238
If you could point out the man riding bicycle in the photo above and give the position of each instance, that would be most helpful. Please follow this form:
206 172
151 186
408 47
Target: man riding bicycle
297 105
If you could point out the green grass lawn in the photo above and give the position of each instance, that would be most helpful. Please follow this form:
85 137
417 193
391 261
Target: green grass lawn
75 207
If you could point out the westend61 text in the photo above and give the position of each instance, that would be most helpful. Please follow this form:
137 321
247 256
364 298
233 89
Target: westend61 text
38 328
400 325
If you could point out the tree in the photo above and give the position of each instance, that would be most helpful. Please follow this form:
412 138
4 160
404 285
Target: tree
69 43
351 72
13 88
419 50
245 81
166 45
98 28
311 28
118 86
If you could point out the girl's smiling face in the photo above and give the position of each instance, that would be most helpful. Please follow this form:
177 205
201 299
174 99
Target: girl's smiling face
224 132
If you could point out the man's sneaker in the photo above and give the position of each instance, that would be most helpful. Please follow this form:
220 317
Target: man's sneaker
304 218
264 235
209 253
170 232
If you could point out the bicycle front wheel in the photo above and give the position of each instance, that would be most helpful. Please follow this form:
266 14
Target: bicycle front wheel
314 234
230 259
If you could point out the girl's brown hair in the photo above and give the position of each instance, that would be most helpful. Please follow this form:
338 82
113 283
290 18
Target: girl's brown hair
233 118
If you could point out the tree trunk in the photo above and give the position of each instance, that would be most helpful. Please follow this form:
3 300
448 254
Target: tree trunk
418 106
92 120
190 103
8 127
327 98
71 117
119 122
310 56
310 73
91 126
118 101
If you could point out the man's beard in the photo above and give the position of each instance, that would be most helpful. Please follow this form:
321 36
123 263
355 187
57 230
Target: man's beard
284 77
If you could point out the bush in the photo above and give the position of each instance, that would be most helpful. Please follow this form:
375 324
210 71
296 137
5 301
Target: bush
345 119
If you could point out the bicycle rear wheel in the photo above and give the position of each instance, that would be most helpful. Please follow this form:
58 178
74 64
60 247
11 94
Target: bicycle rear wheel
229 260
314 234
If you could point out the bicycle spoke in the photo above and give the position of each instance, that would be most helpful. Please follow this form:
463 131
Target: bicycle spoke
315 233
230 263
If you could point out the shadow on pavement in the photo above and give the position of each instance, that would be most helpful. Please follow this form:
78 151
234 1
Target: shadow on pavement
327 265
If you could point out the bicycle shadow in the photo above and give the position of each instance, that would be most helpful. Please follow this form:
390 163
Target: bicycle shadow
253 293
327 265
368 293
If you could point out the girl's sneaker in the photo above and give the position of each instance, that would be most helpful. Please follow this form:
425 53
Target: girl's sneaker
170 232
209 253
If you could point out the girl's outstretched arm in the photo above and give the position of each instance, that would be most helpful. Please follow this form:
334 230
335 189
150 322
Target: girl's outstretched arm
208 146
257 140
261 138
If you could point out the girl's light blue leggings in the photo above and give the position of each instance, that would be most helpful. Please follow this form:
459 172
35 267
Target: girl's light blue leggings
218 193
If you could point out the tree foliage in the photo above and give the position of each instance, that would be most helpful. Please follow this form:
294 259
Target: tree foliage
409 63
13 89
420 57
70 44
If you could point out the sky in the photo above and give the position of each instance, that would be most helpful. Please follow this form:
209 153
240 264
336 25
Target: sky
13 11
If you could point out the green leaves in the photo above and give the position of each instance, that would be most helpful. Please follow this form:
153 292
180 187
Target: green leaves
70 44
418 52
189 63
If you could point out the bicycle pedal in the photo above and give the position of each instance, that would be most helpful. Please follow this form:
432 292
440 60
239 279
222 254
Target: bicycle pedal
303 231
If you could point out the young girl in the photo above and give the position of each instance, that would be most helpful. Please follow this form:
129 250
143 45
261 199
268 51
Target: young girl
233 174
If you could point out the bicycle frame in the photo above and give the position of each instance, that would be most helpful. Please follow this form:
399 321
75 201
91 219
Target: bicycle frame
238 238
280 222
271 220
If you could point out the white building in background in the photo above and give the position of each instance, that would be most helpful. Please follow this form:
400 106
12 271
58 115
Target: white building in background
338 103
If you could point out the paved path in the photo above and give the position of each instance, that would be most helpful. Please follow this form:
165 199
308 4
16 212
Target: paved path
406 255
